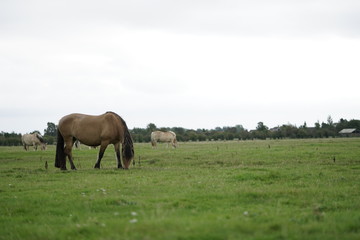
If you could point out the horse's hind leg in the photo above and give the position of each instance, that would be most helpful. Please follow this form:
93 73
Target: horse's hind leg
68 152
101 154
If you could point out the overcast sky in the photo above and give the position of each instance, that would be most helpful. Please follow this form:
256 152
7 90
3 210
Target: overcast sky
192 64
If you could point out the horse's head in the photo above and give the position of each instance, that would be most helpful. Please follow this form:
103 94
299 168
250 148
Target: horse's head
43 146
127 155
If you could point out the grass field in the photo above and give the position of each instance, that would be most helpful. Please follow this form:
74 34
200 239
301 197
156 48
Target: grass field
273 189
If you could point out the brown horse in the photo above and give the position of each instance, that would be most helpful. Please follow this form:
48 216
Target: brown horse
105 129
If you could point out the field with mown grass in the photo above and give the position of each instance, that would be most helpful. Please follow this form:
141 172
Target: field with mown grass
271 189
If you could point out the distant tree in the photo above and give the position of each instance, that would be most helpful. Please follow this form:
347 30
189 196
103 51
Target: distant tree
289 131
261 127
261 132
140 135
229 135
50 133
244 134
151 127
343 123
354 124
178 130
201 136
328 129
218 135
191 135
10 139
50 130
330 122
239 128
303 126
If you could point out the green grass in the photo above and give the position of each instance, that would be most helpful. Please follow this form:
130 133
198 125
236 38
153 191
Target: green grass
273 189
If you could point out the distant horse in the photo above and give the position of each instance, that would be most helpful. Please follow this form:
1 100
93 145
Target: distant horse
77 144
105 129
34 139
169 137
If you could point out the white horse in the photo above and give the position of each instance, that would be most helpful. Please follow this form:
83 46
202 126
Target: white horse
34 139
169 137
77 145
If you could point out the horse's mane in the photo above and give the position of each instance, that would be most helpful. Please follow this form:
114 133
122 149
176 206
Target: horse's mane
120 118
128 142
172 133
41 139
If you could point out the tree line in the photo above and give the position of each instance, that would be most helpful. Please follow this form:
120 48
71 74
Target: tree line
238 132
320 130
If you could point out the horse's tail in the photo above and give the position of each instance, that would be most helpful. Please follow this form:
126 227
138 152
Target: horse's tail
60 153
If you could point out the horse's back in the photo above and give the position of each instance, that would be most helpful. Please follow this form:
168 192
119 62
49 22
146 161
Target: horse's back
89 129
172 133
24 138
69 120
155 134
27 139
73 121
31 139
163 136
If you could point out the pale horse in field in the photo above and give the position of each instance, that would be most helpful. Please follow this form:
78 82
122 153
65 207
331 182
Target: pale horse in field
34 139
159 136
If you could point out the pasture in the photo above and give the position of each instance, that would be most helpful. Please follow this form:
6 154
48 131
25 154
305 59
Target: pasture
270 189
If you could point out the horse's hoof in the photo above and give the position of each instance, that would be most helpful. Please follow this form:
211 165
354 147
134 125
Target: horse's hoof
74 169
98 167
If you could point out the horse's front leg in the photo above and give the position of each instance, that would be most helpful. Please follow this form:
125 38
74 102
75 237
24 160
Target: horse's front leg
118 156
103 147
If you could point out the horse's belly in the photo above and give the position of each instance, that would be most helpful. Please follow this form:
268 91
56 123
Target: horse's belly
89 138
164 139
89 142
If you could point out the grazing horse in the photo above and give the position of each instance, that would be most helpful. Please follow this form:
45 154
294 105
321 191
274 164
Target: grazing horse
105 129
34 139
169 137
